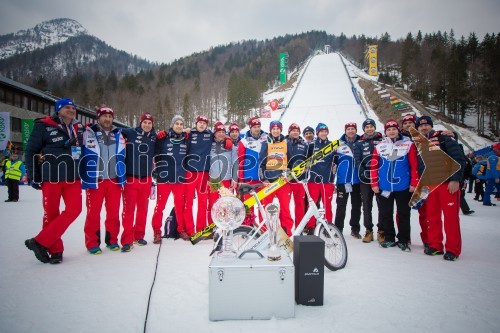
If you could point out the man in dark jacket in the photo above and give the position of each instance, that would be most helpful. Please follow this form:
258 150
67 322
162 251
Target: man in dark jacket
140 150
363 151
444 199
53 154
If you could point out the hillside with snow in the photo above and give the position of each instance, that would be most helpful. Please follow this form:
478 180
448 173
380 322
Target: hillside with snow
165 288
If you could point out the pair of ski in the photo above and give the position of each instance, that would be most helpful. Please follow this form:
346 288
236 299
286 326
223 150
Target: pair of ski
274 186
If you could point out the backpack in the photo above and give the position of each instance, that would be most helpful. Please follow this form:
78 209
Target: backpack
171 226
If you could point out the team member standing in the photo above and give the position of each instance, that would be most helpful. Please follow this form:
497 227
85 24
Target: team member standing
492 175
53 153
479 172
140 150
197 166
103 177
320 183
171 151
362 155
273 160
445 198
298 150
348 183
14 171
308 134
223 164
234 134
393 180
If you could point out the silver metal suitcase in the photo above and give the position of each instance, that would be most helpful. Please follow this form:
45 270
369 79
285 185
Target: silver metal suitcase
251 288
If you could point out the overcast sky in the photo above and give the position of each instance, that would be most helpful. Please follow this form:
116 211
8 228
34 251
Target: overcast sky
165 30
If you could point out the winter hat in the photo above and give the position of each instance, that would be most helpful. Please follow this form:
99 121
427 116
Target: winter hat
307 129
202 118
218 126
409 117
424 120
104 110
292 127
276 123
234 127
254 121
62 103
351 125
369 122
147 116
14 150
176 118
391 123
321 127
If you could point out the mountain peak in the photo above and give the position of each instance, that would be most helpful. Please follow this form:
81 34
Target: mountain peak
42 35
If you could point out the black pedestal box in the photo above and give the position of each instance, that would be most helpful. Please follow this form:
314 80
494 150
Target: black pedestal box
309 262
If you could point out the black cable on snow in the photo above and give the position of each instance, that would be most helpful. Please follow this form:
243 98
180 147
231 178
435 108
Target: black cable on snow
151 290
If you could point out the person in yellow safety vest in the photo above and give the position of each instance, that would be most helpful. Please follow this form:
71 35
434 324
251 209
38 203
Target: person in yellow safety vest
14 171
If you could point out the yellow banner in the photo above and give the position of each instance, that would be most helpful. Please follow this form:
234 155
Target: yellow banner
371 56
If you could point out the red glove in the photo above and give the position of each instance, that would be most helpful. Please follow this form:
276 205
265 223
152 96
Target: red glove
228 144
161 134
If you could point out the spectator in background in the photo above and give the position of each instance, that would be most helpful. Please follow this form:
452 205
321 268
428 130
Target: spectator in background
464 206
53 154
492 175
14 171
479 172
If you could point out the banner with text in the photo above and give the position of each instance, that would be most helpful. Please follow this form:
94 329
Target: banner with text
371 56
26 128
4 129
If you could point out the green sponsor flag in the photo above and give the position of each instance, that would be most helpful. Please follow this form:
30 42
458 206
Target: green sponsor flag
283 67
26 128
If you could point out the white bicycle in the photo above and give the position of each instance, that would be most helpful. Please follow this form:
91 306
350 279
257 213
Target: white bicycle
250 238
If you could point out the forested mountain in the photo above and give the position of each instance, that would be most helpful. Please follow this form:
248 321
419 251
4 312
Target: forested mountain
459 77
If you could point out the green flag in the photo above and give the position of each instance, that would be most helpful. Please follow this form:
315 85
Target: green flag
26 128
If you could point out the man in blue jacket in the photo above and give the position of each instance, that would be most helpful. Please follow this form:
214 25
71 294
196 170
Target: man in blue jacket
103 178
348 183
492 175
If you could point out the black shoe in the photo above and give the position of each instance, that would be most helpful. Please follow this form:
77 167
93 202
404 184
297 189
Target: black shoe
356 234
450 256
476 199
56 258
386 244
491 204
469 212
430 251
8 200
426 246
39 250
405 247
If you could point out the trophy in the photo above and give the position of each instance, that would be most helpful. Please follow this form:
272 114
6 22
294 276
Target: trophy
273 210
228 212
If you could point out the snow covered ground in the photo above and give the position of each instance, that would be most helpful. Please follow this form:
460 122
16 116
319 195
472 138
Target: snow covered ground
380 290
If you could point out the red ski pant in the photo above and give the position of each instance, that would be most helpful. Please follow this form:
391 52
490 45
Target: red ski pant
325 190
135 202
442 202
197 183
212 198
283 194
110 192
424 223
55 223
163 191
299 199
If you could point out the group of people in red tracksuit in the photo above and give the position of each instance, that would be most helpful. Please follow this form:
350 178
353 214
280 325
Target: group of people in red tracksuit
116 166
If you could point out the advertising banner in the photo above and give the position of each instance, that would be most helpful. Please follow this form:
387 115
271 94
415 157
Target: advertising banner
26 128
371 55
4 129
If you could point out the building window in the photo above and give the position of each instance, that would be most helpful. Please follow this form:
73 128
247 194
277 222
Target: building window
17 100
2 95
9 96
46 108
25 103
15 124
33 105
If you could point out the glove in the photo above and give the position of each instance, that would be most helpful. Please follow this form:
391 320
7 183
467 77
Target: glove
36 186
161 134
228 144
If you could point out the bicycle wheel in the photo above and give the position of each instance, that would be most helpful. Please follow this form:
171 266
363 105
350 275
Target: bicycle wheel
240 236
335 247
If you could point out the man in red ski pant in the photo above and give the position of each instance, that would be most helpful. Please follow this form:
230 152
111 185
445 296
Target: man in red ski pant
444 200
139 156
103 180
56 174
